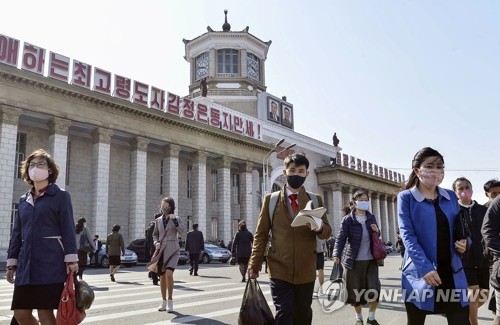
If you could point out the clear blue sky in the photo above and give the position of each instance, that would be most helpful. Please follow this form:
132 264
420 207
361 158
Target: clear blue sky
390 77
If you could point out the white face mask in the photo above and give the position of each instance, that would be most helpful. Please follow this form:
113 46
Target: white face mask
38 174
363 205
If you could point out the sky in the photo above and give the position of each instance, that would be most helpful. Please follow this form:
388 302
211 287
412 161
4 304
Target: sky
388 76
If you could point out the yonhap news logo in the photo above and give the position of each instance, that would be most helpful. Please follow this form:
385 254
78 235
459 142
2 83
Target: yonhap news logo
332 296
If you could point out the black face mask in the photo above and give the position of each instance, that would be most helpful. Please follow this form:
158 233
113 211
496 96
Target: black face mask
295 181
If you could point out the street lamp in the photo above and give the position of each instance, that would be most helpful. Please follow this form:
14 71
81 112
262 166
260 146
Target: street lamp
265 170
289 147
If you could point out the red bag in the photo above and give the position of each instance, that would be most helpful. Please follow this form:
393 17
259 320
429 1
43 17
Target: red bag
378 247
67 312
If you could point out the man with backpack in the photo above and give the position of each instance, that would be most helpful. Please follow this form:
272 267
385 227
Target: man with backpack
292 256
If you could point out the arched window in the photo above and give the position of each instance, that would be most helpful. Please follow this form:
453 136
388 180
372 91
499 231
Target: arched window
227 62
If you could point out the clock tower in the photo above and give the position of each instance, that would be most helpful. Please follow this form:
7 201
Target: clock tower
231 65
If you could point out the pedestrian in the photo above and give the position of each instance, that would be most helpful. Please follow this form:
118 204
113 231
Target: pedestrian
149 247
82 231
491 190
42 248
330 243
426 214
229 245
242 248
476 265
491 234
115 247
320 264
95 255
400 246
167 227
222 245
194 245
361 271
292 263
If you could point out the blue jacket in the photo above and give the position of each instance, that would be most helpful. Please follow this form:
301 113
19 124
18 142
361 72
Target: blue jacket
418 229
349 236
43 238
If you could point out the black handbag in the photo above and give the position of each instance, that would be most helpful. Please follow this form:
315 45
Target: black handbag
254 307
337 271
84 295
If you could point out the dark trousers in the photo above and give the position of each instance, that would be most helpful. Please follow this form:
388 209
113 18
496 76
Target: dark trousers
292 302
193 262
457 315
94 256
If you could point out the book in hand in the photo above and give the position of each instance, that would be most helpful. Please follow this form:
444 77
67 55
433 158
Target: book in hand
311 216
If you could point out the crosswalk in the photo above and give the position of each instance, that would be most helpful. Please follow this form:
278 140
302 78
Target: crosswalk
132 299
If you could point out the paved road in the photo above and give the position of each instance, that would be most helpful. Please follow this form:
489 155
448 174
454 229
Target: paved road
213 298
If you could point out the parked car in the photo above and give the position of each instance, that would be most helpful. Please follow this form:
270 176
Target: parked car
214 253
129 259
138 247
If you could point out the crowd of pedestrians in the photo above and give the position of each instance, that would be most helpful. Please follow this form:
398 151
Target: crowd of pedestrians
447 241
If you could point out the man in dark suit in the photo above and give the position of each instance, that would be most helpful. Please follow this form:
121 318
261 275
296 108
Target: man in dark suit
95 255
194 245
273 113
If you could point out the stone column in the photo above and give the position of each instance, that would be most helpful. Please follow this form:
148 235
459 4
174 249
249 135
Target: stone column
9 118
384 217
376 207
101 151
224 195
58 145
138 177
171 171
199 192
246 203
337 212
394 223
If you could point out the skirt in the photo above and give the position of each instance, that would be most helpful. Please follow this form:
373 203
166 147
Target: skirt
362 283
82 258
37 296
115 260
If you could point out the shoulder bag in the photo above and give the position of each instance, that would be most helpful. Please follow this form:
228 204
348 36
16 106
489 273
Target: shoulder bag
378 247
84 242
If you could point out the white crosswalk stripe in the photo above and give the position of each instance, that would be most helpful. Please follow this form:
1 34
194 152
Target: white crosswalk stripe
134 300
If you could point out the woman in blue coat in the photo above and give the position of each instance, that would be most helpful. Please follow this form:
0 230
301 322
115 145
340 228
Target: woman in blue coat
433 278
42 248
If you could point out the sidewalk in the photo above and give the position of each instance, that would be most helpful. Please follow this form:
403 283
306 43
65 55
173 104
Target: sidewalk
388 312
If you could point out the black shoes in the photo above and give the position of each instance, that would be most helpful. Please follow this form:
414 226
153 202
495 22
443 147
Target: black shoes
372 322
196 274
190 271
112 277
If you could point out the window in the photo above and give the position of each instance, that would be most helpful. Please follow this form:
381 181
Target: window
215 228
201 69
68 157
20 153
13 214
189 180
215 182
236 188
161 177
228 62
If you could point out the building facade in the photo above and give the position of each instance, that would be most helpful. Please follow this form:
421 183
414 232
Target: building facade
122 145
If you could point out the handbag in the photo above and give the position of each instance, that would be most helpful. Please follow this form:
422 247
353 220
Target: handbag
378 247
67 312
84 243
84 294
153 266
337 272
254 307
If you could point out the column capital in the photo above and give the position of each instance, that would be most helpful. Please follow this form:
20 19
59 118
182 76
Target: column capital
200 156
102 135
139 143
9 114
374 195
223 162
336 187
248 167
171 150
58 125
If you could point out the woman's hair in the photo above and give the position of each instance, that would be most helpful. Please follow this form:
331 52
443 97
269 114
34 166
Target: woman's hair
79 225
417 161
242 225
356 196
460 179
39 153
347 209
116 227
170 202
